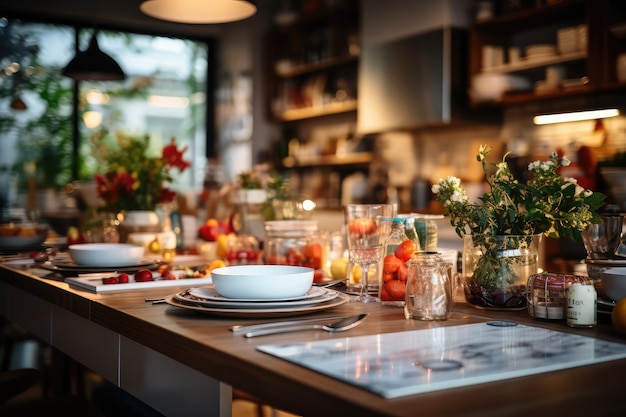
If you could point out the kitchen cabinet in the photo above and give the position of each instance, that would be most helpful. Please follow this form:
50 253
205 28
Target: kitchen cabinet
549 50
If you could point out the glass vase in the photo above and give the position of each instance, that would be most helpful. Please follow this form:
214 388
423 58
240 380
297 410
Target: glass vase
496 270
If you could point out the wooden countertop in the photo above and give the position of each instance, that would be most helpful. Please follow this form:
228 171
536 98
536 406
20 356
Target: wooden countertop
204 343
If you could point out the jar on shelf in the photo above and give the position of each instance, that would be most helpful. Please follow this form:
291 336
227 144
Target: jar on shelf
547 294
295 243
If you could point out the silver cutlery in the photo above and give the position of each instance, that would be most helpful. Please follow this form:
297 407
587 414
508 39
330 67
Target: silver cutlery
242 329
343 324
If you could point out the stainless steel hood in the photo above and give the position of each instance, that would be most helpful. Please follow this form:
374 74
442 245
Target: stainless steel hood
414 82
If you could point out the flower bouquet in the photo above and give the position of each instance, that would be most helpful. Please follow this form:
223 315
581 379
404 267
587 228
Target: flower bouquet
501 234
134 179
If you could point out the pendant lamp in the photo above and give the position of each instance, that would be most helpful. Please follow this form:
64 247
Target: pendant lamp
93 64
198 11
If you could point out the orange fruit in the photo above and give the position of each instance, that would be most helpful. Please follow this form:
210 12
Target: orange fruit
618 317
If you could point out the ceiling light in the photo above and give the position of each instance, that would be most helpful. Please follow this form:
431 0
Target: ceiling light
198 11
578 116
93 64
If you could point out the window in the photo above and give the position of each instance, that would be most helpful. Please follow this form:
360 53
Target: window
163 96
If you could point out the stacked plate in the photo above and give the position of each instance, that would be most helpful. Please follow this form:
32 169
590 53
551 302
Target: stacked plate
207 300
540 51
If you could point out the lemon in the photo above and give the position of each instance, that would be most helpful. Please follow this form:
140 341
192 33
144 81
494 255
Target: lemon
618 317
154 246
339 268
222 246
357 274
218 263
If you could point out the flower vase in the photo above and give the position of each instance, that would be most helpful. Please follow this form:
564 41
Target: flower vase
139 221
496 270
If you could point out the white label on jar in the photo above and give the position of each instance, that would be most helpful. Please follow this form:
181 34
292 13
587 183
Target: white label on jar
581 305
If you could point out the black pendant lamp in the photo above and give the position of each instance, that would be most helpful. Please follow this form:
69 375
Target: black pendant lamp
93 64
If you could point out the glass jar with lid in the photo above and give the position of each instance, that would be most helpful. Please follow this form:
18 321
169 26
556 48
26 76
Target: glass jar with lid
296 243
547 294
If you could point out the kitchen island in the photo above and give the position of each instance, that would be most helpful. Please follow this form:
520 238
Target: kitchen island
184 363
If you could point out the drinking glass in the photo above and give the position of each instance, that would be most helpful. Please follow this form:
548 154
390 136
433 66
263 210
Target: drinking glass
367 228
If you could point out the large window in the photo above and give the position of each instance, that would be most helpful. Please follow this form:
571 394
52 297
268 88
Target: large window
163 96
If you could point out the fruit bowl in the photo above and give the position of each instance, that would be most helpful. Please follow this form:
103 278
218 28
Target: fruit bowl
22 236
106 254
262 282
614 283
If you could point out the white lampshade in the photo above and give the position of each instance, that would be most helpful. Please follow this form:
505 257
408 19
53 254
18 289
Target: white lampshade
198 11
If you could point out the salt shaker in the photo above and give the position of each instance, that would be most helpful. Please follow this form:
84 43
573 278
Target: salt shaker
581 305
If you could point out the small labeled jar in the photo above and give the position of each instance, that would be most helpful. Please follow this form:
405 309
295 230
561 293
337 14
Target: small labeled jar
582 301
547 294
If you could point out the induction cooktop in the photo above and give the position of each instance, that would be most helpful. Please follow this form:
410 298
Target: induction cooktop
412 362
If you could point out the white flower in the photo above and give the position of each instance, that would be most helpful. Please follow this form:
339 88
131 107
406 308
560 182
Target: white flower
533 165
565 162
435 188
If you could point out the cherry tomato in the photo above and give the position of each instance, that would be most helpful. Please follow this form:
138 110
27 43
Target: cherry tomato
388 276
361 227
167 275
405 250
143 275
318 276
109 280
402 274
122 278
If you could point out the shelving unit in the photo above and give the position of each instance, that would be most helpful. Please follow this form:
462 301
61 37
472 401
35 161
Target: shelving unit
593 64
312 78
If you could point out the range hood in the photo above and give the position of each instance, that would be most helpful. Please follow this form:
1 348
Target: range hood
414 82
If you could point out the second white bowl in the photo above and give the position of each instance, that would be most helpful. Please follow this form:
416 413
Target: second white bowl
106 254
262 282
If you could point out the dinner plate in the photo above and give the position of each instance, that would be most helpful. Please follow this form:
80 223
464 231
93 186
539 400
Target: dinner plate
73 269
259 312
324 296
209 294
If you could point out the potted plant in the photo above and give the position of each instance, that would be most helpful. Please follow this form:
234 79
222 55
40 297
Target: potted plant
501 233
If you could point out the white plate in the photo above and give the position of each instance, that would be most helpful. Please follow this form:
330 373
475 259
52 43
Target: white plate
323 296
94 283
209 294
260 312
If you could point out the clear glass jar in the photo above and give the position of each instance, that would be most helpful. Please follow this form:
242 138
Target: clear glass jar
547 294
395 271
428 289
296 243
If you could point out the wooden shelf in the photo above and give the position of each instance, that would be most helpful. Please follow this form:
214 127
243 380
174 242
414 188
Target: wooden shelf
539 62
303 69
360 158
339 107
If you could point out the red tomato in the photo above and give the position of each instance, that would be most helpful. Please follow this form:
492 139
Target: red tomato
362 227
388 276
391 263
318 276
405 250
294 258
313 251
384 294
122 278
143 275
395 290
276 260
403 273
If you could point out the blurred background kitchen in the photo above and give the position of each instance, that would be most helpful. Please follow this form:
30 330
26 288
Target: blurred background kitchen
348 100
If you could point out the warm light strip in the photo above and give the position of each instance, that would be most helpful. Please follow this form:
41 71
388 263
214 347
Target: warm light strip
547 119
168 101
198 11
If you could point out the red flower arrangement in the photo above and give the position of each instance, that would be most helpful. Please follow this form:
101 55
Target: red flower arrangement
134 180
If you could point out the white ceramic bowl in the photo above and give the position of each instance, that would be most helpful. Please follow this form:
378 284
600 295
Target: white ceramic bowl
106 254
262 282
614 283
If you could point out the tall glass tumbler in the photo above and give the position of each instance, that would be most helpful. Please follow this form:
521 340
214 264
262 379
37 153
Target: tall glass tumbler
367 228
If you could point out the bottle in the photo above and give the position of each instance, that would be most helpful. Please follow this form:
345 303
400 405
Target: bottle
582 301
396 236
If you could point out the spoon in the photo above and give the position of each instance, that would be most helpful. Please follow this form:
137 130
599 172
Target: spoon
335 326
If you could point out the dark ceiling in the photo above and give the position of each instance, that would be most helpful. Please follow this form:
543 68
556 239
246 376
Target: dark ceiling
105 14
